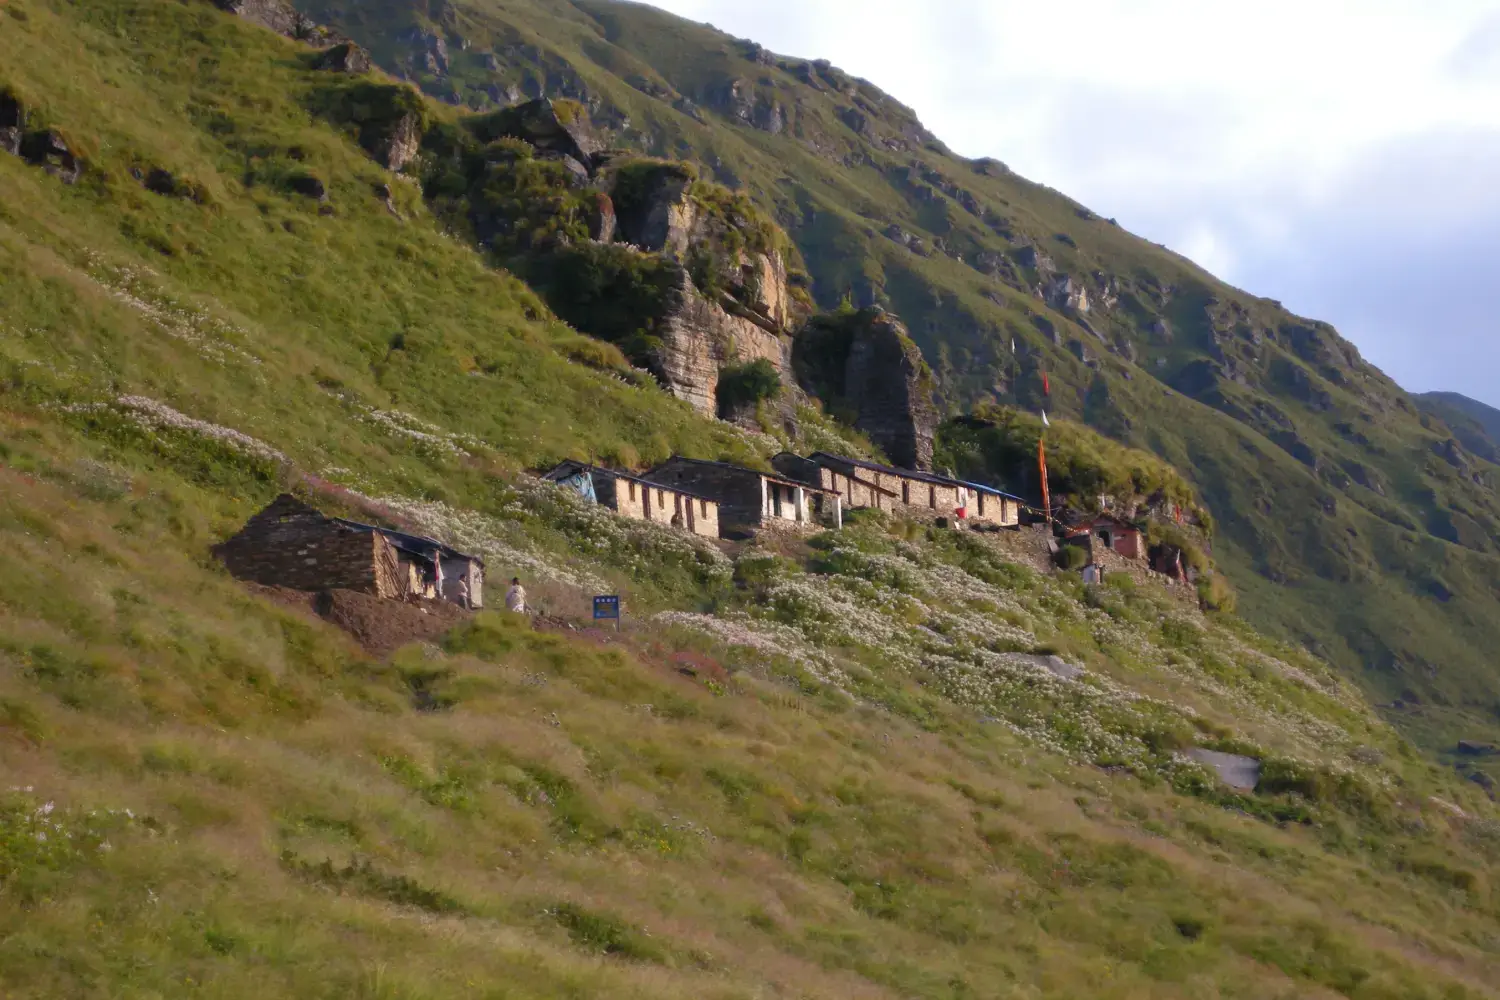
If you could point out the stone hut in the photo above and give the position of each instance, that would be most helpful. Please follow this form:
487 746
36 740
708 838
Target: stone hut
749 499
862 484
1118 536
291 544
633 496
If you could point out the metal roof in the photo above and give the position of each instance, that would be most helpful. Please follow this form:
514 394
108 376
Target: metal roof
773 477
417 544
925 477
627 477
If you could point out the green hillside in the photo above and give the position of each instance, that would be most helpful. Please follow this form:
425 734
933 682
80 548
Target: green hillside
1354 524
892 761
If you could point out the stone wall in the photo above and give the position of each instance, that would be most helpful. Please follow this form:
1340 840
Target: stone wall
989 509
658 504
290 544
738 491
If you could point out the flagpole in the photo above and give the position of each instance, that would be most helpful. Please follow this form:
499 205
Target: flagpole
1041 449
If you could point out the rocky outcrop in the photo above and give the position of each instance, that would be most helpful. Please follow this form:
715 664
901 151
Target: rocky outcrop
699 338
12 123
1065 293
739 100
277 15
281 17
345 58
551 128
657 212
50 151
890 388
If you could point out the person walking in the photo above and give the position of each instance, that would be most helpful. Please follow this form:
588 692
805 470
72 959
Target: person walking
515 597
463 594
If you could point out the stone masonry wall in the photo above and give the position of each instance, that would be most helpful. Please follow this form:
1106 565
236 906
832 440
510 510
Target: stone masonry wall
292 545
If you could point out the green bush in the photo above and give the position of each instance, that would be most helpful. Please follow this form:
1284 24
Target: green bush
746 384
1072 557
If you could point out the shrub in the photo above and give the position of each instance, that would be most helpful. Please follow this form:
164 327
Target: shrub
1215 594
1072 557
747 384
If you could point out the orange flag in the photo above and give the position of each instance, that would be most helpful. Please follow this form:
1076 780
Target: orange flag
1041 461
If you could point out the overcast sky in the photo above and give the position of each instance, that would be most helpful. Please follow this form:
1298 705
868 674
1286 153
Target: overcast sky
1343 157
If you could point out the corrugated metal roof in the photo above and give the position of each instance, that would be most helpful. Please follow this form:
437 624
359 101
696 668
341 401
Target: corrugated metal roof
627 477
925 477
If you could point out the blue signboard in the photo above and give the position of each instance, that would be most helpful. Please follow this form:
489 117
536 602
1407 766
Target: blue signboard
607 607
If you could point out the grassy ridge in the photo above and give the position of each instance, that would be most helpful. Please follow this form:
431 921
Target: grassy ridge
1348 521
829 768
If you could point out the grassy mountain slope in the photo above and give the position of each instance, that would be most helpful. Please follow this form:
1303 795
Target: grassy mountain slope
1352 522
843 767
1475 424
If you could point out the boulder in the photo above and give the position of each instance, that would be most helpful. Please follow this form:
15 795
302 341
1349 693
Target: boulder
49 150
1234 770
1475 748
886 378
540 123
345 58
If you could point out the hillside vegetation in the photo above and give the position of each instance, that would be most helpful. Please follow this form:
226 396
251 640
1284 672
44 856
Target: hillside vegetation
892 761
1352 522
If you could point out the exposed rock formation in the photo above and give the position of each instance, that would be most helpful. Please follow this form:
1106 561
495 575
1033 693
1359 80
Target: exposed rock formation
893 388
50 151
282 18
12 122
345 58
278 15
734 302
868 372
546 126
699 338
1064 292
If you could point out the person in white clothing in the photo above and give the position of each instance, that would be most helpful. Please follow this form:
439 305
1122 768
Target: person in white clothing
515 597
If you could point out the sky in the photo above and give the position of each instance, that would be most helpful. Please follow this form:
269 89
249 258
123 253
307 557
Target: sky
1342 157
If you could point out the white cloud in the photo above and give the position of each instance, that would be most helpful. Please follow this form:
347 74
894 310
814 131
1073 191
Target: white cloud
1254 137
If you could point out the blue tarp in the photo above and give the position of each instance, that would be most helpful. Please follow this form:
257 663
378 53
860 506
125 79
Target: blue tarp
583 483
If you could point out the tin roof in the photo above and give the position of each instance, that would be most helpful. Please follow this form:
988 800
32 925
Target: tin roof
925 477
628 477
769 476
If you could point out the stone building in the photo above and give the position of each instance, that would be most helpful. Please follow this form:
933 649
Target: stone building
749 499
633 496
291 544
1118 536
862 484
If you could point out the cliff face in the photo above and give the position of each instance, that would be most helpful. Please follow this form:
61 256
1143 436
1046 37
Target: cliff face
699 338
892 386
733 303
868 371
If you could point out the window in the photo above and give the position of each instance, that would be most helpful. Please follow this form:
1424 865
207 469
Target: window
981 505
702 508
632 492
932 497
905 491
